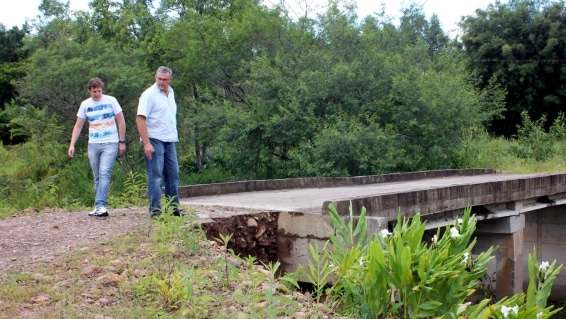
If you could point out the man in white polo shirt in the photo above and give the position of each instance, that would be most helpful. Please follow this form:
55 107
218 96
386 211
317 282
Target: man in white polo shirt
105 140
157 126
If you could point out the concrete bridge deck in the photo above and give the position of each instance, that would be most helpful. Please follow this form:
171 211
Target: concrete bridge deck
312 199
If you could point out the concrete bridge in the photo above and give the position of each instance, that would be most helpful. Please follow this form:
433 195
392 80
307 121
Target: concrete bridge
515 212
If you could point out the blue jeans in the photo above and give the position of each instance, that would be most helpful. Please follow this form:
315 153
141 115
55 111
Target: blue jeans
102 157
163 167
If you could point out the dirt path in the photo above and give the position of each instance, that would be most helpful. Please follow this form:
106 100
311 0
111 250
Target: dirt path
33 238
30 239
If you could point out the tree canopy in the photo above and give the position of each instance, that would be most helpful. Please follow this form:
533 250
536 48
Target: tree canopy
521 46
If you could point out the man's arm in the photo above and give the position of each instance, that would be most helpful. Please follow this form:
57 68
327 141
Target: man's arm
75 136
142 131
121 133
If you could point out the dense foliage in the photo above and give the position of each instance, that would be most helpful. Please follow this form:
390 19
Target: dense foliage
520 45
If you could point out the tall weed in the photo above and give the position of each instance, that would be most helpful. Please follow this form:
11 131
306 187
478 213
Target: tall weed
533 141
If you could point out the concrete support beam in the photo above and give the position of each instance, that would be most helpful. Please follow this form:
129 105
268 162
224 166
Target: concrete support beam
508 235
509 277
506 225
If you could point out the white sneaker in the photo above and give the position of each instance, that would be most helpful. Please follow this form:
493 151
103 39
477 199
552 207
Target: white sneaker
100 211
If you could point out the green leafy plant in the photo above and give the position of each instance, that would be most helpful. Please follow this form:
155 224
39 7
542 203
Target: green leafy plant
224 240
131 190
533 304
319 270
398 274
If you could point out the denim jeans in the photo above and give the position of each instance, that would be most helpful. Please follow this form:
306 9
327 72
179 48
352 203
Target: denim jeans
162 168
102 157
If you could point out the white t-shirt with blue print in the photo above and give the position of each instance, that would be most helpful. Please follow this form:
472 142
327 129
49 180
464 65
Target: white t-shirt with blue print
101 117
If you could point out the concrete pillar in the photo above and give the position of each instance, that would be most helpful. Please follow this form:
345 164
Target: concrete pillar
507 233
295 232
509 257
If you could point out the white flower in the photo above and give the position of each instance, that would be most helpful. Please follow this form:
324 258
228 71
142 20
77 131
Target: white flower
361 261
540 315
544 266
434 239
505 311
509 310
454 233
460 221
466 257
384 233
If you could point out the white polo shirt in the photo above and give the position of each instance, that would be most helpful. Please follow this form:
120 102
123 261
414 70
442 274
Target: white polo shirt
160 112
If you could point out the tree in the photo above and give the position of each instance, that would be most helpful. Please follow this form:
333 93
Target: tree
12 55
521 45
11 52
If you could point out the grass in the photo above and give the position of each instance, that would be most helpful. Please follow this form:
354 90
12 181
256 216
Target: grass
504 155
152 273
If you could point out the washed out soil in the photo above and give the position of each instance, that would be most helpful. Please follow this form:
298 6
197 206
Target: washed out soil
252 234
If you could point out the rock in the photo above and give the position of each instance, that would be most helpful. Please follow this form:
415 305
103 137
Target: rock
91 271
299 315
260 231
108 280
261 305
266 287
139 273
41 299
88 298
236 262
117 263
104 302
252 222
324 308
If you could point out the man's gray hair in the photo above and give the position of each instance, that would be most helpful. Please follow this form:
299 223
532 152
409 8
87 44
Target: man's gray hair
164 69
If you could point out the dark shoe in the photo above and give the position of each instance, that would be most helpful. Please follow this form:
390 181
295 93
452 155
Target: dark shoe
178 212
100 211
154 214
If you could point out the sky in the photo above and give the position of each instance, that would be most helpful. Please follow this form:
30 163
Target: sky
16 12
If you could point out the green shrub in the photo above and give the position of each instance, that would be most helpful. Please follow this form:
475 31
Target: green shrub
533 141
558 128
398 275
